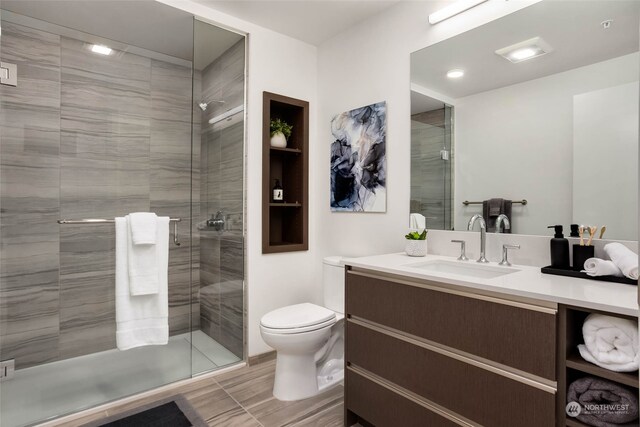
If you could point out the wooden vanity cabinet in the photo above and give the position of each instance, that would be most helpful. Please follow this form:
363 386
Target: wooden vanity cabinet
429 354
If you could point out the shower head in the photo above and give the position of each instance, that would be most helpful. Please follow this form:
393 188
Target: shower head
203 105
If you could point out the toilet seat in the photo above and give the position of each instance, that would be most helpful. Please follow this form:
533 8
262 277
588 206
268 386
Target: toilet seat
298 318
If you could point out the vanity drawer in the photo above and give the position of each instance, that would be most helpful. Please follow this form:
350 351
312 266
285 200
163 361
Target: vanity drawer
519 335
382 407
476 393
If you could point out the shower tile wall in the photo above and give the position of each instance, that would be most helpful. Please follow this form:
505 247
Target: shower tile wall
430 196
84 136
29 202
221 259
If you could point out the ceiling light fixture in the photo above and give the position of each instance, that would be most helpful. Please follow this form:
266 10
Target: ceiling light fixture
453 9
525 50
455 73
101 49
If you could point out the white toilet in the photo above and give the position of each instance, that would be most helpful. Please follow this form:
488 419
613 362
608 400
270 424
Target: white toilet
308 339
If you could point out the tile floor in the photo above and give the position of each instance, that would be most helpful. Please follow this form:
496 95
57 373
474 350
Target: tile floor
70 385
242 398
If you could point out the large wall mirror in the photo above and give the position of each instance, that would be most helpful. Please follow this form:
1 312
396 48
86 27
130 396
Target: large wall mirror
534 114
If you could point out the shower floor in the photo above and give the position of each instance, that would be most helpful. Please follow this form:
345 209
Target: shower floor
58 388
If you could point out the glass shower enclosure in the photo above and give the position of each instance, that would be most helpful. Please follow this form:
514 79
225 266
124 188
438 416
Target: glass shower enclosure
118 107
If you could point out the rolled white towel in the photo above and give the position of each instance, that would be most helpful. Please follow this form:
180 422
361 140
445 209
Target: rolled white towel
610 342
624 258
601 267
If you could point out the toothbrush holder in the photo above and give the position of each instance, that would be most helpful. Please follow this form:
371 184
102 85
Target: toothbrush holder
580 255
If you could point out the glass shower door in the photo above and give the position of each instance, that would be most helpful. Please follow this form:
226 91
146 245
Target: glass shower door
97 127
218 197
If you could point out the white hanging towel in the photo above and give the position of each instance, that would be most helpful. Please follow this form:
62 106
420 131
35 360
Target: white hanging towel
142 319
417 222
144 277
143 228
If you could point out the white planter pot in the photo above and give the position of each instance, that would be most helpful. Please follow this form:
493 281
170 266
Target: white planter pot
278 140
416 247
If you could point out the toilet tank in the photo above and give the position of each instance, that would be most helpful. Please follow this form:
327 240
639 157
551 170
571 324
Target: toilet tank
333 283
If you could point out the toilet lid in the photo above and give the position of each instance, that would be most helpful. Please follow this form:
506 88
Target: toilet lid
297 316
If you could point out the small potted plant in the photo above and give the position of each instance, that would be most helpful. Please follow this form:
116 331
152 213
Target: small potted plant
280 132
416 243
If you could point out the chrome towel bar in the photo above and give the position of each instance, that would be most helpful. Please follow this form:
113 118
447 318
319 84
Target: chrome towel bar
516 202
86 221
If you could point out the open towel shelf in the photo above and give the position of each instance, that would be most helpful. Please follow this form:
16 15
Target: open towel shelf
88 221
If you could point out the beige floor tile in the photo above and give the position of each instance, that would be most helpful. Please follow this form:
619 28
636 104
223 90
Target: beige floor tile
273 412
332 417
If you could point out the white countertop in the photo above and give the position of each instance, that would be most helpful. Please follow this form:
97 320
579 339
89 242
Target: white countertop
527 282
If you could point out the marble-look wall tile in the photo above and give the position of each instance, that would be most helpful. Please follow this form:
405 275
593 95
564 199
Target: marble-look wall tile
222 175
170 177
29 201
231 258
86 136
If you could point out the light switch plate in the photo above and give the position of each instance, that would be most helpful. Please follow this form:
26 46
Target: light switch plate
8 74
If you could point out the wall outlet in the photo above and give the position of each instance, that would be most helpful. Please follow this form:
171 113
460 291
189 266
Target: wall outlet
8 74
7 369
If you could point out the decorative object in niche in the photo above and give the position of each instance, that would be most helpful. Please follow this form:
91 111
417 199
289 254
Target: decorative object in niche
358 159
280 133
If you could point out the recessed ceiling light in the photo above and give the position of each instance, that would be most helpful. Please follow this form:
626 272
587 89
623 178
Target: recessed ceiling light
453 9
522 54
455 74
525 50
101 49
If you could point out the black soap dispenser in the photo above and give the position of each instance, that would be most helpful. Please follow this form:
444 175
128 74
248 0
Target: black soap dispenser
559 249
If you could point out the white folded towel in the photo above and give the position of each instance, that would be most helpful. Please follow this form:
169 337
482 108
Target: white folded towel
624 258
143 228
610 342
143 319
601 267
143 265
417 222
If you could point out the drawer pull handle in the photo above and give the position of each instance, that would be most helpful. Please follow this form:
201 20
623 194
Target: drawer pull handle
539 383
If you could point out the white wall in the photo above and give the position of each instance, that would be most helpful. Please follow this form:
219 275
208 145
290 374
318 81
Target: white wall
517 142
605 155
367 64
275 280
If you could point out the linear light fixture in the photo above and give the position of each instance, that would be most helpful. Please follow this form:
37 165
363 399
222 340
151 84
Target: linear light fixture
452 10
227 114
525 50
101 49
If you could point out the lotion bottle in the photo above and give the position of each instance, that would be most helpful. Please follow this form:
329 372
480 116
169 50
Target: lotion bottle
559 249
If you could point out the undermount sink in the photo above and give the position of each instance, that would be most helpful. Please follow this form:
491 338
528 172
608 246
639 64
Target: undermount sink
463 268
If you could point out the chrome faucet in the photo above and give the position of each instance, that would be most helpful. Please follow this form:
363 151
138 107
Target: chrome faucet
483 234
502 219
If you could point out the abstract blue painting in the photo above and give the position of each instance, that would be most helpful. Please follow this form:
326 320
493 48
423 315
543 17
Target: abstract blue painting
358 160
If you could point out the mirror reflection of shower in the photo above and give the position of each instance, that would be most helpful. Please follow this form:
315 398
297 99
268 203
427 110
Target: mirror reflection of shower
432 155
